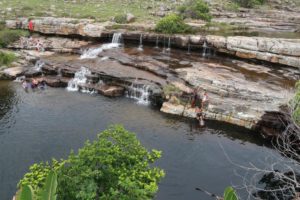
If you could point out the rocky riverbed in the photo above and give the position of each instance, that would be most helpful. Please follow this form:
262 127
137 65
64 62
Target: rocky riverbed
249 79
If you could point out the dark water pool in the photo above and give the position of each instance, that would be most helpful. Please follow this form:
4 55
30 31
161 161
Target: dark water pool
37 126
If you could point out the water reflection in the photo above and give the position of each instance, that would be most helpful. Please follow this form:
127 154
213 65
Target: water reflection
48 124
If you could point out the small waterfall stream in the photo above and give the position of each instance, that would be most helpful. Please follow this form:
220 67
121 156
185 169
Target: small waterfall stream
140 48
38 65
79 78
156 44
140 93
169 45
93 52
204 50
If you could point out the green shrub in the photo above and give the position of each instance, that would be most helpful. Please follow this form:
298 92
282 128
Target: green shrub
38 173
114 166
295 104
6 58
2 25
171 90
120 19
195 9
172 24
249 3
8 36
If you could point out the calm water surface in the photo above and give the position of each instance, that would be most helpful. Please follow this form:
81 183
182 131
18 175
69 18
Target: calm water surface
37 126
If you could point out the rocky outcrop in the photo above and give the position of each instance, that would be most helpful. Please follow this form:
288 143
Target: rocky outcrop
273 50
54 44
63 26
260 20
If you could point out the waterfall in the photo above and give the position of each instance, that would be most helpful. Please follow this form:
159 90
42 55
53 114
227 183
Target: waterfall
140 93
189 49
116 38
156 45
79 78
140 48
169 44
93 52
164 48
204 49
19 79
38 65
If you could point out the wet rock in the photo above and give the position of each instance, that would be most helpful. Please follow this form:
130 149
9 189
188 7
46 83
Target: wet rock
92 78
32 72
53 81
14 72
48 70
110 90
65 72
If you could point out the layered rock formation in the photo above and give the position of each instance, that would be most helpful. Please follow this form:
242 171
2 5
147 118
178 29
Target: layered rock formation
273 50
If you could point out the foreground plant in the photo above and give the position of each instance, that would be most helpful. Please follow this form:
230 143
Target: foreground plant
48 192
114 166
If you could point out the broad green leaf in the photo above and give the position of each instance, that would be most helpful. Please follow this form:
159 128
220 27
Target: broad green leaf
49 190
25 193
229 194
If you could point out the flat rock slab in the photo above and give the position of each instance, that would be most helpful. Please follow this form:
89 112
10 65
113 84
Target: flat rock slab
13 72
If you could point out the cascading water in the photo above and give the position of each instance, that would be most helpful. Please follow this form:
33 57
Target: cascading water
169 45
116 38
140 48
93 52
140 93
79 79
204 46
156 45
38 65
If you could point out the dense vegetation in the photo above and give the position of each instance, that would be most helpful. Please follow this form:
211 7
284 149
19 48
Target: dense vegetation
8 36
295 104
249 3
115 166
6 58
195 9
172 24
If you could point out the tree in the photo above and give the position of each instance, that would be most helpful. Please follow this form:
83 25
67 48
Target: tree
114 166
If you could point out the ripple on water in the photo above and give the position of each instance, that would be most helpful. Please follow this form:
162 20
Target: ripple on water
47 124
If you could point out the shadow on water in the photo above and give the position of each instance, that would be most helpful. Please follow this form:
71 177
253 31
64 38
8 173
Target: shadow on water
7 94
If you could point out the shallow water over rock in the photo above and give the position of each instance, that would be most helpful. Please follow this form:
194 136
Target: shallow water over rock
37 126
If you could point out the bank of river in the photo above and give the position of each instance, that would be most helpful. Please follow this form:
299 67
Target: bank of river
37 126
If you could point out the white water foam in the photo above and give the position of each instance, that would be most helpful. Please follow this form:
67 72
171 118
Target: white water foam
38 65
79 78
140 93
20 79
94 52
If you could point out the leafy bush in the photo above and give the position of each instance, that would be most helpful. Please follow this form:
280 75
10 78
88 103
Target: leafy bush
38 173
295 104
249 3
171 90
48 192
115 166
195 9
9 36
230 194
120 19
6 58
172 24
